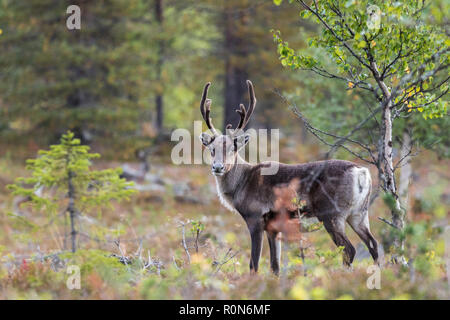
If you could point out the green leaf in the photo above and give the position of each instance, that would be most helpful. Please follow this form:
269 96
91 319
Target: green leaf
305 14
362 44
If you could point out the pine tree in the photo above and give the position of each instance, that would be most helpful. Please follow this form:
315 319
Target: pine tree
93 81
62 181
243 52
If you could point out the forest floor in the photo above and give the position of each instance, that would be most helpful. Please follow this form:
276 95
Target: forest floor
134 250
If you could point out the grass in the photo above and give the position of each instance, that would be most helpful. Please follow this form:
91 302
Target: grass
147 232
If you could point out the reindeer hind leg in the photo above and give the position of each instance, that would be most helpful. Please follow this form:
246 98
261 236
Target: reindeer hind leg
360 224
336 229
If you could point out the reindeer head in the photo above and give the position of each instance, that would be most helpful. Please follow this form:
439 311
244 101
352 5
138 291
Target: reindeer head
224 148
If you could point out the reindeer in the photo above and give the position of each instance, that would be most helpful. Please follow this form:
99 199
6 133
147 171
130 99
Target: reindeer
335 191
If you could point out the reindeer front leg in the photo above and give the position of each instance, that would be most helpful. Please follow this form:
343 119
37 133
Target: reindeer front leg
275 251
256 228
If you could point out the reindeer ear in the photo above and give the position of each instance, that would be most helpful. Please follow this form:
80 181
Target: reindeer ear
241 141
206 139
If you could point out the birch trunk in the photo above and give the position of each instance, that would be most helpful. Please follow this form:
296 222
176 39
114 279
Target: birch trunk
387 164
405 171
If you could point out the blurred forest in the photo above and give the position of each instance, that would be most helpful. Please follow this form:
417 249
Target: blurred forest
132 74
136 68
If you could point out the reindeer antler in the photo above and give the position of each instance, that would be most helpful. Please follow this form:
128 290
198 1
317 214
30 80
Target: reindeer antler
206 111
243 112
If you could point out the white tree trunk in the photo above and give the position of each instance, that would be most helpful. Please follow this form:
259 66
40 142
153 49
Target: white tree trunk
397 213
387 161
405 171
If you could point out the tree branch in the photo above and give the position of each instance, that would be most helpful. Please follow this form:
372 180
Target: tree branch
316 132
334 33
388 222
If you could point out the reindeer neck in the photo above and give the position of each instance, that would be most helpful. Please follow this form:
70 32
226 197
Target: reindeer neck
229 182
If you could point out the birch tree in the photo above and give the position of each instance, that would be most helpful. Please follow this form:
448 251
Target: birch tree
395 51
